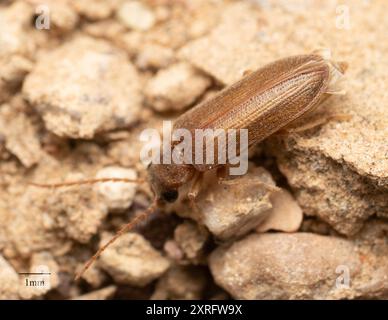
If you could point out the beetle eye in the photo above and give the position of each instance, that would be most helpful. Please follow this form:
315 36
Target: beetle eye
170 196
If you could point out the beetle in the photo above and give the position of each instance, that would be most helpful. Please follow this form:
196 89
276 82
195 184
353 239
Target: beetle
265 101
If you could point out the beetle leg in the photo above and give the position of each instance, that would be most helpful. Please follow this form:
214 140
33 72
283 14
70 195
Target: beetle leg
335 91
223 177
321 121
315 123
194 190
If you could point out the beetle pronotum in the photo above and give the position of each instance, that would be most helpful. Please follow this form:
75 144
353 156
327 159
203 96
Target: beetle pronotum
264 102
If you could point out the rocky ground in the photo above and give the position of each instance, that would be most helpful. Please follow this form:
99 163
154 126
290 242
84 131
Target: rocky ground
75 97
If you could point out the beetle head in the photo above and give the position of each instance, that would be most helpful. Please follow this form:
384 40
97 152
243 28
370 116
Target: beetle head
166 179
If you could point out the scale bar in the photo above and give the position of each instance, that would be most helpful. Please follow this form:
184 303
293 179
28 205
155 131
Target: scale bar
35 273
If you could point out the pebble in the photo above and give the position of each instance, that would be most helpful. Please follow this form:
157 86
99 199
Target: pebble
16 46
135 15
21 137
175 88
286 215
154 56
9 281
90 87
191 240
117 195
181 283
95 9
299 266
132 260
233 208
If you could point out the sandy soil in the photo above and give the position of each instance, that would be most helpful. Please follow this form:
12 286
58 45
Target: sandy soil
79 82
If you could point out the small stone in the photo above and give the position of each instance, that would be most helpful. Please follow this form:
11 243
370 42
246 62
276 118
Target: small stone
95 9
63 17
95 277
102 294
16 46
117 195
79 211
27 230
131 42
299 266
9 281
326 188
191 239
175 88
232 208
135 15
49 220
106 29
154 56
181 283
285 215
132 260
90 87
173 251
20 136
16 19
220 53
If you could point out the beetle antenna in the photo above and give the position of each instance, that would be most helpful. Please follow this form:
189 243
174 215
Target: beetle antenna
81 182
129 226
